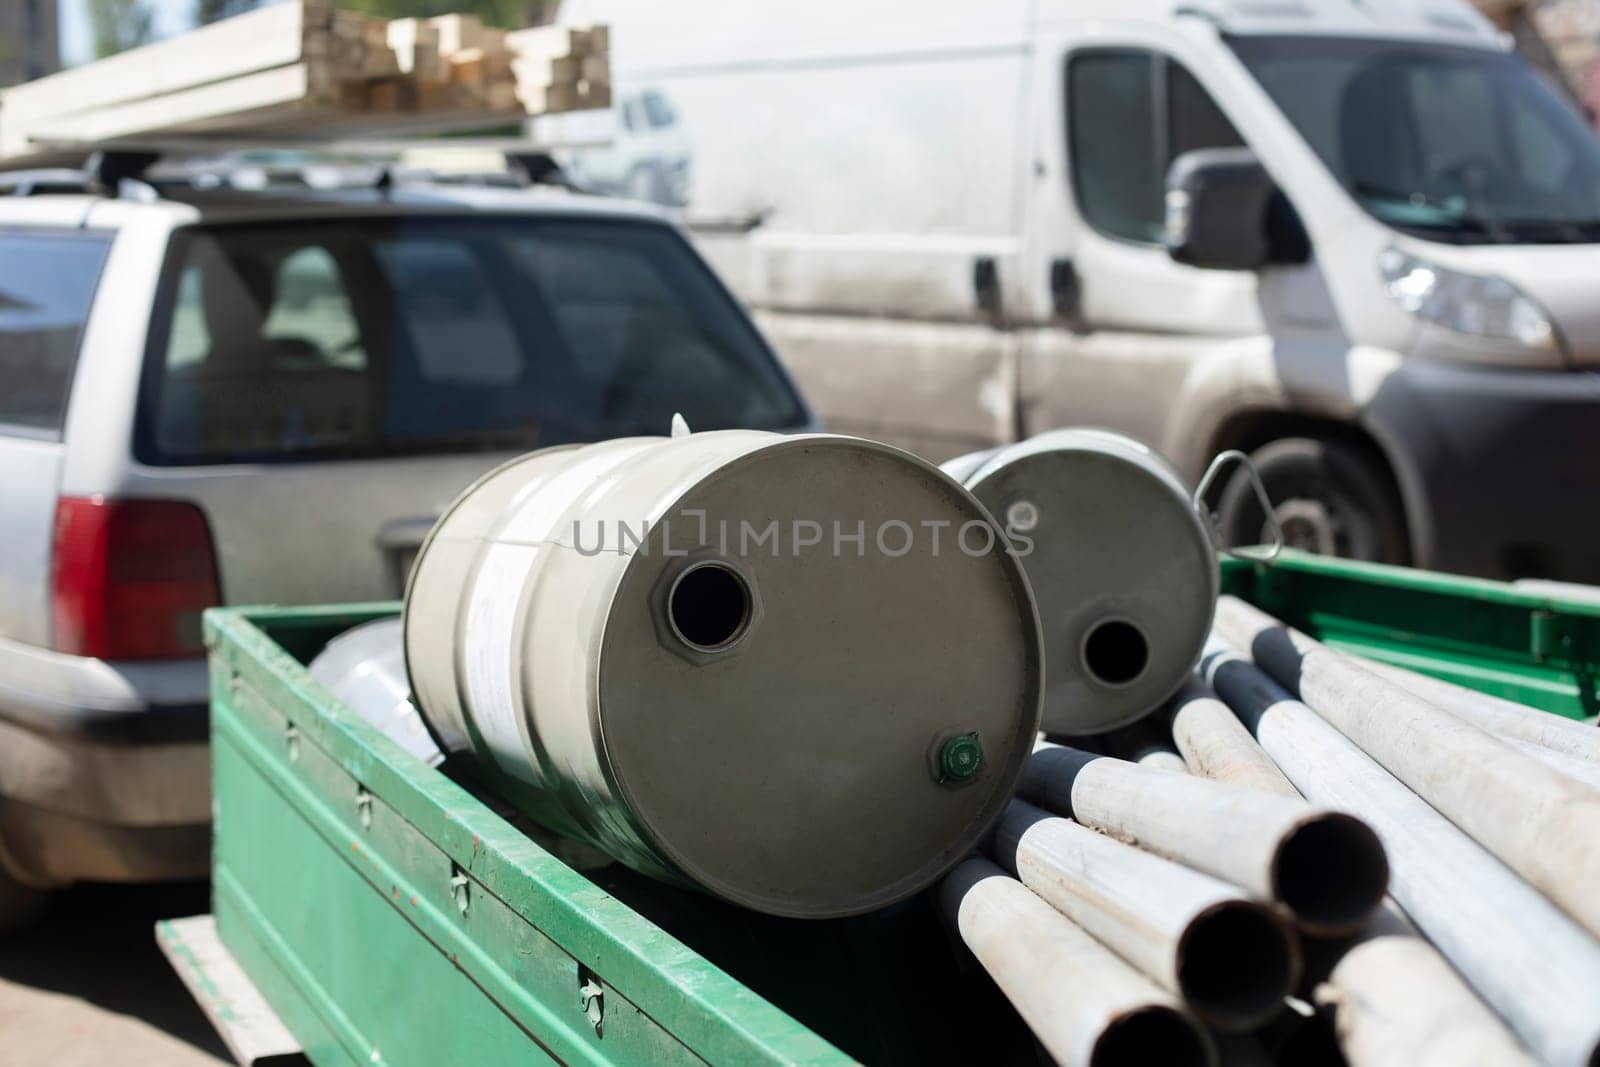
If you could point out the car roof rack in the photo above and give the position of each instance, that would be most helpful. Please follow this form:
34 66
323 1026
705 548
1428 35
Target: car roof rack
178 169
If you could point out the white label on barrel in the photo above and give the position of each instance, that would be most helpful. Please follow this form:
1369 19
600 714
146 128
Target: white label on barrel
488 660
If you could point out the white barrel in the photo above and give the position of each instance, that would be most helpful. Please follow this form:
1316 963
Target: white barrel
365 668
801 672
1124 570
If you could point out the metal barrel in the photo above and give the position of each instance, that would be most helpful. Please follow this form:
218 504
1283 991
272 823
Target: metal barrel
1215 744
723 657
1542 823
1504 718
1326 868
365 667
1232 959
1086 1006
1479 914
1125 571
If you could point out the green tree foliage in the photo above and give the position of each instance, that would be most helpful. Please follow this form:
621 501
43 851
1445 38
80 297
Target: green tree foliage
509 14
208 11
118 25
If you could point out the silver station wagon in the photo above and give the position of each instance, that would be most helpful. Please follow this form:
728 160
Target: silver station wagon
224 398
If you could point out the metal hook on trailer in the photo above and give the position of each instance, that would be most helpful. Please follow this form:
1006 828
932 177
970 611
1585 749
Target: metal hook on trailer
1209 517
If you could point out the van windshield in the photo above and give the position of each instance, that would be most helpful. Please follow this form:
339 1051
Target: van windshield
368 337
1453 144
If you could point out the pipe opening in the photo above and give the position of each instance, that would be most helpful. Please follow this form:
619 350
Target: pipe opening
709 606
1151 1035
1236 963
1331 874
1115 652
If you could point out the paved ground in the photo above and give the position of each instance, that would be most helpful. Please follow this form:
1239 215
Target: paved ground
89 987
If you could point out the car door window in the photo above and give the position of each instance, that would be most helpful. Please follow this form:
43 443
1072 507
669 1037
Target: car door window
1129 115
47 283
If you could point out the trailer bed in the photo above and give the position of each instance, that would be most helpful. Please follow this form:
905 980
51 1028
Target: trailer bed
390 913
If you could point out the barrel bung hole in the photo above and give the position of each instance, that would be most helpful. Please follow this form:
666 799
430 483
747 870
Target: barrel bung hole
1115 652
709 606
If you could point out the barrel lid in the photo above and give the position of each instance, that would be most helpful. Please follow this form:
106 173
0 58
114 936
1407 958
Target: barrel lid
1123 569
809 724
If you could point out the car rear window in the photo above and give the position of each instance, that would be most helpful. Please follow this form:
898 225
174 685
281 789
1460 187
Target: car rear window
47 283
372 337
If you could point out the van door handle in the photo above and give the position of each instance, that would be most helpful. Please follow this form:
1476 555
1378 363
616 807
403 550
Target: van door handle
1066 293
986 285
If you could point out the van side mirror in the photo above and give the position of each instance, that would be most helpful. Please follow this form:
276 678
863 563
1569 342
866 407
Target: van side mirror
1224 212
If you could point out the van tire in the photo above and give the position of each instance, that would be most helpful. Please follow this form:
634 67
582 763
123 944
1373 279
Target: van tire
20 905
1329 496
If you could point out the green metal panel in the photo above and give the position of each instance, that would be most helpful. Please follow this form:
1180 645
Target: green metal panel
390 917
1489 636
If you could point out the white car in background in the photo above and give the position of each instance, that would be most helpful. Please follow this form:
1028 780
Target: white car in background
222 398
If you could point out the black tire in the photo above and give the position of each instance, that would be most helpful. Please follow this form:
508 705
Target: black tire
20 905
1330 498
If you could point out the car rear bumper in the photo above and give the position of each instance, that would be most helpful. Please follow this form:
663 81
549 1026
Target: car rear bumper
1501 468
104 768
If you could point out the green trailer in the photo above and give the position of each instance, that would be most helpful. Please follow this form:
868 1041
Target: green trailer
370 909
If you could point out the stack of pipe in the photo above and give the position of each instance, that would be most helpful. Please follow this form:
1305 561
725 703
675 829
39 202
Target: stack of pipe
1199 888
1249 893
1490 816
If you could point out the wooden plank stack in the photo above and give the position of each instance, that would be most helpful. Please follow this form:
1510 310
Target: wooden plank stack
302 70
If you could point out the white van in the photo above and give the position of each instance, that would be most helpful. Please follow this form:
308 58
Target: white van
1357 239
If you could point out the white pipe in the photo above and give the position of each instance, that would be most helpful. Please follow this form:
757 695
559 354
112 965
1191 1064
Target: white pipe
1397 1003
1545 825
1146 743
1572 766
1231 959
1504 717
1087 1007
1326 868
1529 962
1164 761
1215 744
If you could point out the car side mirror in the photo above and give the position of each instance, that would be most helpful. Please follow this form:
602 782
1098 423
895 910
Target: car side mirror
1224 212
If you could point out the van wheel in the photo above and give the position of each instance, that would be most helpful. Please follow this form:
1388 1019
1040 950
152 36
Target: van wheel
1330 499
20 905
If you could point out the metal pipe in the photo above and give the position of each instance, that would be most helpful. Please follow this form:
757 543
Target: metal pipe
1326 868
1506 718
1529 962
1397 1003
1086 1006
1230 958
1147 743
1572 766
1215 744
1543 824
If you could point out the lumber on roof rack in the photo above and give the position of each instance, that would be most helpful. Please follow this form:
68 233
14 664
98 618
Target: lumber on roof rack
302 70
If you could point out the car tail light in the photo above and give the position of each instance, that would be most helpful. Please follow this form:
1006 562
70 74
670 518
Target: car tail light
129 578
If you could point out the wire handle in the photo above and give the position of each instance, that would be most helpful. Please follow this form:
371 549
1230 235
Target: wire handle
1209 517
